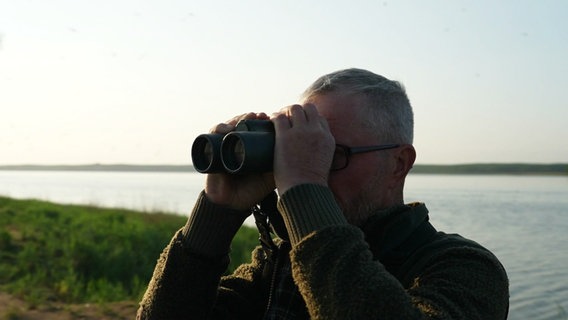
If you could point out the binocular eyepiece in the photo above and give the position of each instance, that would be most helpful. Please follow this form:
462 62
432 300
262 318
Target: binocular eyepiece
247 149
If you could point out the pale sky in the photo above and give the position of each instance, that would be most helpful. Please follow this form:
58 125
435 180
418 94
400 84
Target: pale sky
135 82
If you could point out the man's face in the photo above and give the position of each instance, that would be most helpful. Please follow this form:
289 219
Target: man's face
358 188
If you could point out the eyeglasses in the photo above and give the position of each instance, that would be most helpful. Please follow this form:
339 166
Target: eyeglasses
342 154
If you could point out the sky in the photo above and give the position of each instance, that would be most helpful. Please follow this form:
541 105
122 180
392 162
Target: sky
134 82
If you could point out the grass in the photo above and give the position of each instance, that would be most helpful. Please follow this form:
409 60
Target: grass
80 254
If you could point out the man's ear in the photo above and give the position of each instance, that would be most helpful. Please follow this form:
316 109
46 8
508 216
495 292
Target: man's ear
404 160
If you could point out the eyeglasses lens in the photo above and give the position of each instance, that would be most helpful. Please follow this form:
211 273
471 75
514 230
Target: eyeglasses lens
339 159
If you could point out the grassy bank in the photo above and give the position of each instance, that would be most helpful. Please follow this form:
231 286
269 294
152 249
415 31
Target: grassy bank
78 254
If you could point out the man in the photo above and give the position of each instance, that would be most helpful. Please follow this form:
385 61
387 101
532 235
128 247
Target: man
352 249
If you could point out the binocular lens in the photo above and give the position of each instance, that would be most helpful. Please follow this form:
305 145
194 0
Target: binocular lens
245 151
232 152
208 153
205 153
239 152
248 149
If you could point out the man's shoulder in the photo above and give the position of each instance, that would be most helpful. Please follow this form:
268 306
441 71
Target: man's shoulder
453 247
429 247
452 240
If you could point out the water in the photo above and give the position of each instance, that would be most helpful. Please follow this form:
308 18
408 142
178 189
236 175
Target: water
145 191
522 219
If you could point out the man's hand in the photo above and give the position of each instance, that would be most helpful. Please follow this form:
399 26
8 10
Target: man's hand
304 147
239 192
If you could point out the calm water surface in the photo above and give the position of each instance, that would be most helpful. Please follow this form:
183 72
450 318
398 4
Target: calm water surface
523 220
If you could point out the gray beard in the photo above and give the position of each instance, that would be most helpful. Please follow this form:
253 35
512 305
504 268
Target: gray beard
357 215
357 211
366 204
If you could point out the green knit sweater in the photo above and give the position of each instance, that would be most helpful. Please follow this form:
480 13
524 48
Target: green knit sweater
396 267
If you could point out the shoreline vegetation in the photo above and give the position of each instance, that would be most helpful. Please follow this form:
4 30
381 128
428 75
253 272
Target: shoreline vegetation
63 261
474 168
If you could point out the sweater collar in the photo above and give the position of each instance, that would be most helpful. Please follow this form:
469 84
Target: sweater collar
388 229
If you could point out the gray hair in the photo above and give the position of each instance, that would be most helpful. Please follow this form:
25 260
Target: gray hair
391 116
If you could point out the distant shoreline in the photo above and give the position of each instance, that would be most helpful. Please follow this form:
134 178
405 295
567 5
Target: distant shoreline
557 169
560 169
101 167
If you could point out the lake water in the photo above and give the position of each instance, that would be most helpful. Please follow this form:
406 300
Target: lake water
522 219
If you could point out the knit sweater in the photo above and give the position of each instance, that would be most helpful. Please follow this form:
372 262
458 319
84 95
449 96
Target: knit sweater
395 267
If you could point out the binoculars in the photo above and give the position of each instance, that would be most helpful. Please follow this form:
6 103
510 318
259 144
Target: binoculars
247 149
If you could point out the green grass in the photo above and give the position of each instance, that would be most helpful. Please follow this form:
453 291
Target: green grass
77 254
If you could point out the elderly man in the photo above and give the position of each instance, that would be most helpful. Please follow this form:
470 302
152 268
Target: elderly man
351 248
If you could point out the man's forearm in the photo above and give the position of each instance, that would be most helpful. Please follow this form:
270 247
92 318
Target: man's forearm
187 274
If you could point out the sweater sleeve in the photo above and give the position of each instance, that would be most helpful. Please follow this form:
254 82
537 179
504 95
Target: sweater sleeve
186 278
309 207
339 279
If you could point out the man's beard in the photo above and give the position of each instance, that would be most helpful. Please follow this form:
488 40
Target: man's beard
358 210
369 201
357 214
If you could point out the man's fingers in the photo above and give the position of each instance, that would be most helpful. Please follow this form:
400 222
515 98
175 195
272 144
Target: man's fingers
222 128
230 124
297 115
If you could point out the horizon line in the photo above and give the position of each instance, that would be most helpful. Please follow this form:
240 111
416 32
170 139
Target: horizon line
96 164
558 169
